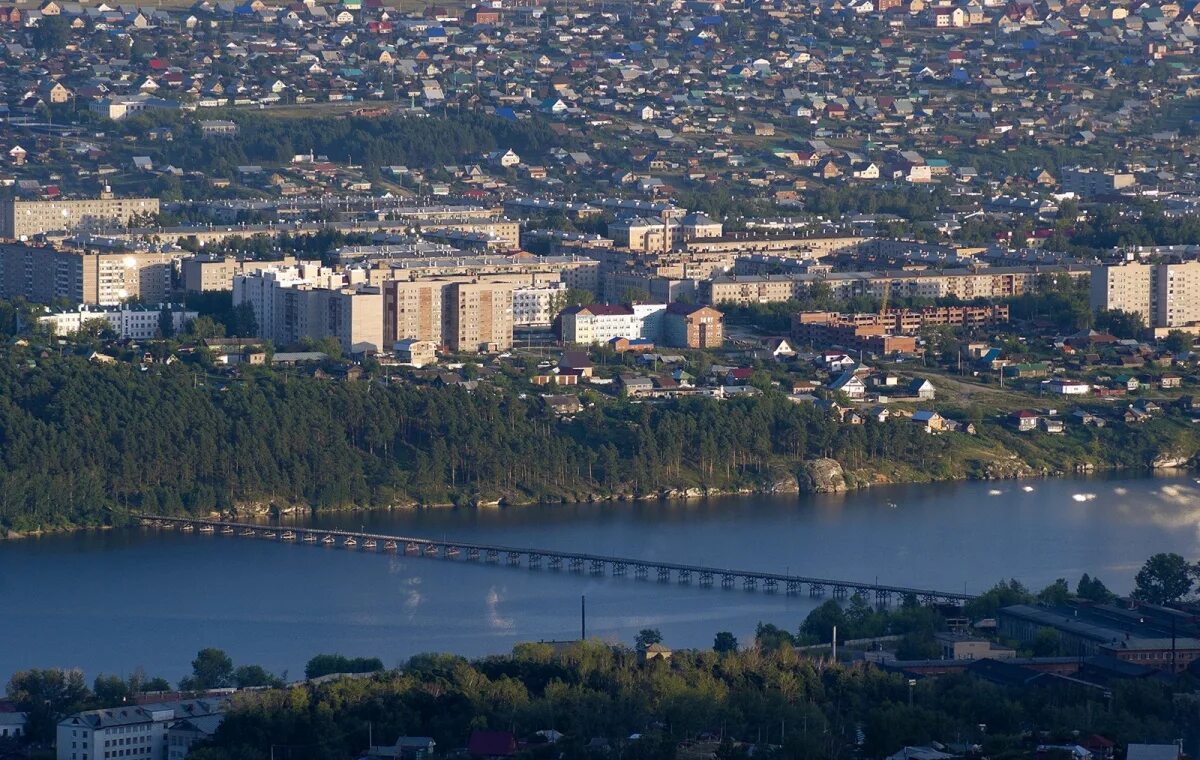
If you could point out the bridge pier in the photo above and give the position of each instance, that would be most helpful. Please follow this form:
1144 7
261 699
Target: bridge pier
770 585
597 567
882 597
514 558
664 574
816 589
492 556
618 569
684 577
473 555
390 546
556 563
412 547
727 580
449 552
792 587
706 579
429 550
575 565
750 583
840 592
535 561
640 571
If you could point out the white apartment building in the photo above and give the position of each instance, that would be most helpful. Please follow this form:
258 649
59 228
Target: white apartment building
132 732
128 322
534 305
600 323
1166 295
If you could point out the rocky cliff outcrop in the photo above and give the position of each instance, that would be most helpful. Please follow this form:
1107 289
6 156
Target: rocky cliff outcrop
821 476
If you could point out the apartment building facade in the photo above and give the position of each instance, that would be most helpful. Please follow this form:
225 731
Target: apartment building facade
689 326
1166 295
21 220
1090 182
43 273
600 323
203 273
465 315
309 301
127 322
130 732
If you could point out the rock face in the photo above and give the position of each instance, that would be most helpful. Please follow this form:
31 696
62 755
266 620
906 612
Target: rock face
1167 459
821 476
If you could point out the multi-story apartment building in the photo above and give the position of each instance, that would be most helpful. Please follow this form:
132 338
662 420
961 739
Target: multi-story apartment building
967 284
909 321
203 273
20 220
1090 182
1166 295
600 323
479 317
43 273
309 301
465 315
130 732
688 326
128 322
536 304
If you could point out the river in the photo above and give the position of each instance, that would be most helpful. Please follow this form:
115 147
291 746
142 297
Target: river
112 601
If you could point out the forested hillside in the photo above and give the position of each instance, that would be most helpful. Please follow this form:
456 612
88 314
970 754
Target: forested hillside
81 443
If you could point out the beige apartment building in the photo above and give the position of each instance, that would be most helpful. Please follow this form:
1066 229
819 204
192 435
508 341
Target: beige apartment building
20 220
204 273
967 284
1166 295
1090 182
42 273
462 314
309 301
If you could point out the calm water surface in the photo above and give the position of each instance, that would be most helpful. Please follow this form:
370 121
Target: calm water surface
112 601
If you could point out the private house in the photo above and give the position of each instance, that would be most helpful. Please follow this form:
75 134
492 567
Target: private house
922 389
930 422
1025 420
491 744
850 384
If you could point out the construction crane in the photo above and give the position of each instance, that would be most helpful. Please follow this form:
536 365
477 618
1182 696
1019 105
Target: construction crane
887 292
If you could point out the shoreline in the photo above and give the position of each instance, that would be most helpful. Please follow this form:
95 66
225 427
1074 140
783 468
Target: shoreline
854 483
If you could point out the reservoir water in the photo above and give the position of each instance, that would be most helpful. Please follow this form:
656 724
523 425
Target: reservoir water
111 601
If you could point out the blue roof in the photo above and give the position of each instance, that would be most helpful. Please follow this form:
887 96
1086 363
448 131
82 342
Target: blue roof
436 31
506 113
712 21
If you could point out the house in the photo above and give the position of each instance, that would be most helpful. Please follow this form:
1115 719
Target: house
635 385
1167 382
12 725
1050 425
654 652
405 748
922 389
415 353
1025 420
1064 387
850 384
503 158
1152 752
492 744
576 362
691 326
931 422
562 404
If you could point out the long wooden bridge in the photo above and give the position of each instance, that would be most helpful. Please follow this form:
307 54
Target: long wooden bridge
554 559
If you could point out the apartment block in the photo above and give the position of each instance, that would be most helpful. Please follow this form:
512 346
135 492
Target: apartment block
1166 295
909 321
688 326
866 337
462 314
204 273
20 220
127 322
309 301
43 273
1091 182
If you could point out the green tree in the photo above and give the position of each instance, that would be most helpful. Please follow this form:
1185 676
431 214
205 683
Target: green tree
254 675
212 669
47 696
725 642
1177 341
648 636
1093 589
1164 578
1055 594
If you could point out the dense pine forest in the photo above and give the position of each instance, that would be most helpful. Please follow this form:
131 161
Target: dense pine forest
83 443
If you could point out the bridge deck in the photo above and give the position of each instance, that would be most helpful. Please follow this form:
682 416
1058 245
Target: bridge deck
576 560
